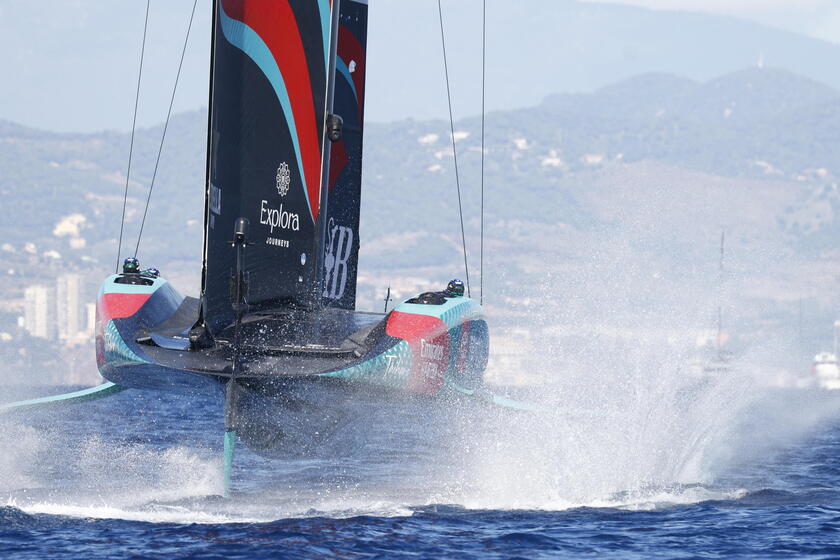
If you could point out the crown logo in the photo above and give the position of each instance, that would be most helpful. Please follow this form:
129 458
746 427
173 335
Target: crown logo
284 179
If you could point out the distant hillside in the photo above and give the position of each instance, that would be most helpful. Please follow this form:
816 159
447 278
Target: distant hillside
50 178
763 124
764 127
603 211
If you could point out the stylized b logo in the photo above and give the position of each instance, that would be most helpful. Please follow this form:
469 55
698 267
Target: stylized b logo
339 248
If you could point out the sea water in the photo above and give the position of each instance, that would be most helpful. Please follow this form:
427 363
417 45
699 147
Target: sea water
627 458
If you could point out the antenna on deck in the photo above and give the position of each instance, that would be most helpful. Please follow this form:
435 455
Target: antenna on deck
238 298
387 298
239 288
720 294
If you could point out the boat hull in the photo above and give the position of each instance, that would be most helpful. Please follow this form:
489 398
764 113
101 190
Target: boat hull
416 349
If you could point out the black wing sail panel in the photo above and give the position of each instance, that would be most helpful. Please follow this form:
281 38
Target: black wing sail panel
341 245
268 104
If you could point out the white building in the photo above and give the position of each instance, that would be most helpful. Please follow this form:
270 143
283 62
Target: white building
38 305
90 324
68 309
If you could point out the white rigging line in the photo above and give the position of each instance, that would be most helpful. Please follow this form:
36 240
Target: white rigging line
165 127
133 128
454 151
483 72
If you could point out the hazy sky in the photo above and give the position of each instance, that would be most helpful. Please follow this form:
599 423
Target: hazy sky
817 18
71 65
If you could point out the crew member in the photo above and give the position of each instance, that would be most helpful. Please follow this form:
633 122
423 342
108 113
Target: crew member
131 266
455 288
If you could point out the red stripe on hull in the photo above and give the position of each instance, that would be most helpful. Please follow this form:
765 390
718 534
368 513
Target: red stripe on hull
429 341
117 306
114 306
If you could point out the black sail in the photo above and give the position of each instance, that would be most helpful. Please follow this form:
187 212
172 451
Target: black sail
268 106
341 243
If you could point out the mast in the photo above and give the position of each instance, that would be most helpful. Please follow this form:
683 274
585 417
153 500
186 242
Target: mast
320 239
720 296
214 7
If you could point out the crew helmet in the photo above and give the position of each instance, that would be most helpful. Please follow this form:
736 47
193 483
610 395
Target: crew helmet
455 288
131 266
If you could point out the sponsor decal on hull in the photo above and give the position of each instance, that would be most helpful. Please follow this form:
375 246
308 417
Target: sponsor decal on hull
431 351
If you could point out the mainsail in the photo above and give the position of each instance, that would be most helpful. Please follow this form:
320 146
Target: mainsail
268 106
341 234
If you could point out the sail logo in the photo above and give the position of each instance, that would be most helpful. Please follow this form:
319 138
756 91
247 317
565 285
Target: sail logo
284 179
431 351
339 248
278 218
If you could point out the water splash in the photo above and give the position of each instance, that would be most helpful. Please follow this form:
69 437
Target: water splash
626 423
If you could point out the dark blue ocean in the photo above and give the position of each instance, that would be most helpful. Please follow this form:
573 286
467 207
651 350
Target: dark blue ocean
719 475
